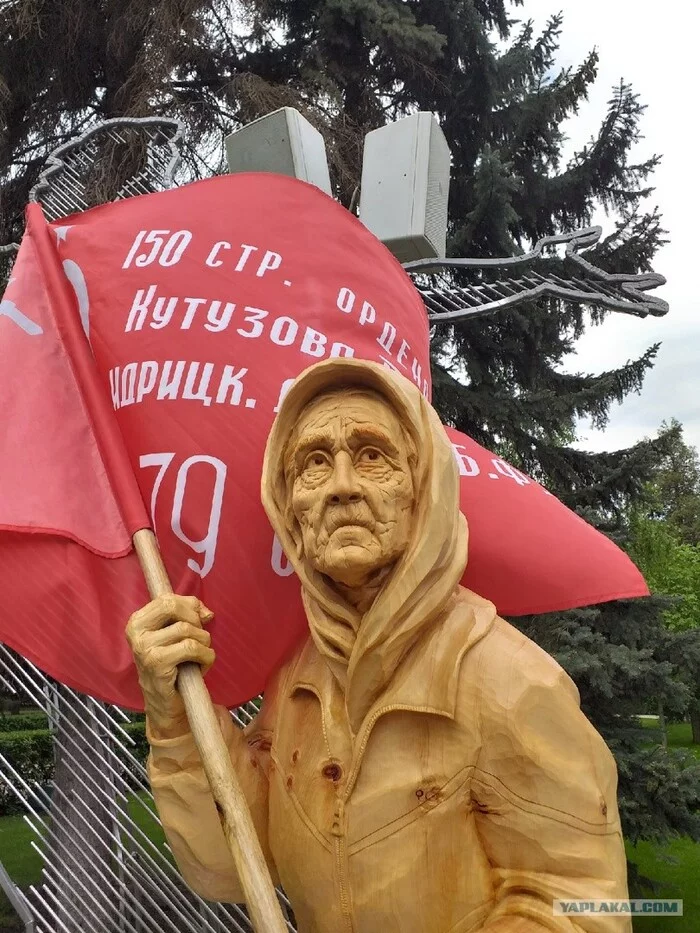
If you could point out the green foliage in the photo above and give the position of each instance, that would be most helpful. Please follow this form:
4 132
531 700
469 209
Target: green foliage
31 754
640 656
678 735
22 862
673 493
665 542
669 567
663 778
137 732
21 722
624 661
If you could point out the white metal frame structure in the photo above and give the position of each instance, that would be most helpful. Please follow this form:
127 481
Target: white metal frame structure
94 824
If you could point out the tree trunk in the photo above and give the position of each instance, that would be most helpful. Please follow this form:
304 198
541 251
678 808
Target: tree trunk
82 819
695 722
662 724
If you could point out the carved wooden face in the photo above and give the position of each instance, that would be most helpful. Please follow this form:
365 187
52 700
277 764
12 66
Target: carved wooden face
352 492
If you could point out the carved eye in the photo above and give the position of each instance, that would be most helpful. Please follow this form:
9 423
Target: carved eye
370 455
316 459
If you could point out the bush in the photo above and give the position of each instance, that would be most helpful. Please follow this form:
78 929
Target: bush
21 722
30 752
9 704
137 731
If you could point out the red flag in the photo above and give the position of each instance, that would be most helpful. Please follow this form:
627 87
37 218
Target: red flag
202 304
528 552
62 481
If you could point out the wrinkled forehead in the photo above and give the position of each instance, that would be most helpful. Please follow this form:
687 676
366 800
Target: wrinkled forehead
346 407
342 408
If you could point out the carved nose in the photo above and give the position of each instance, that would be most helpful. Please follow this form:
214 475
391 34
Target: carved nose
337 498
344 487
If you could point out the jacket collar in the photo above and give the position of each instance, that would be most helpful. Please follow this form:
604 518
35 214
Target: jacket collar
427 679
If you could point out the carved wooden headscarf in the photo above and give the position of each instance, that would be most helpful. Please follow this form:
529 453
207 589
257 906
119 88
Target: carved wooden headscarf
425 577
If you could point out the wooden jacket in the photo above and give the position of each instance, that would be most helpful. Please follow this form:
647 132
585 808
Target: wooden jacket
422 768
464 798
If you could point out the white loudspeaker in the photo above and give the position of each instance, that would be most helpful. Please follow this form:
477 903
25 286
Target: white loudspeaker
405 187
283 142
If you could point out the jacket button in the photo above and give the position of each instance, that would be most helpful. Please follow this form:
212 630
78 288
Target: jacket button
295 757
333 772
290 781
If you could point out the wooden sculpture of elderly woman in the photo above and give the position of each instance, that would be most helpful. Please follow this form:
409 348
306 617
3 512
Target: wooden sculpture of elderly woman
419 766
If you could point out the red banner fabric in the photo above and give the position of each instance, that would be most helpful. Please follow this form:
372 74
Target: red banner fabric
201 305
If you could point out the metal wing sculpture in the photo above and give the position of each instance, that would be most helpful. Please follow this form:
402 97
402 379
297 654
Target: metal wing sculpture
128 156
115 159
496 284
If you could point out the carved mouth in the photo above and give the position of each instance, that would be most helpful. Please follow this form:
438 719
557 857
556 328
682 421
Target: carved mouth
351 535
338 523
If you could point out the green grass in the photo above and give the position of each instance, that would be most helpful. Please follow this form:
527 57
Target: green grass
9 921
678 735
143 819
676 868
22 862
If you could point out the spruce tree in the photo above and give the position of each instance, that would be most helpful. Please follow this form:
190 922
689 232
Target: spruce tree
352 65
665 543
673 494
493 82
625 661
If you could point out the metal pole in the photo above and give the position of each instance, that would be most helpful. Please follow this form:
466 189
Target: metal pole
17 899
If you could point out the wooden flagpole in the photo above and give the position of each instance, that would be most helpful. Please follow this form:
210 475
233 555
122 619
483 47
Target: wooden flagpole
261 899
